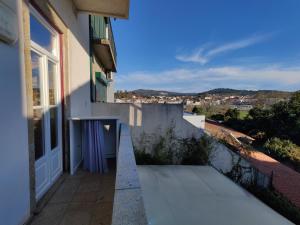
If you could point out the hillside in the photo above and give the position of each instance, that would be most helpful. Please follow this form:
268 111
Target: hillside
218 91
144 92
228 91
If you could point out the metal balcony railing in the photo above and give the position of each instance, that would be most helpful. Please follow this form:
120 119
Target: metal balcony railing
102 30
112 39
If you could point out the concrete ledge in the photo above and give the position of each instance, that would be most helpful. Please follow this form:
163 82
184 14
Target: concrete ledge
128 201
127 175
129 208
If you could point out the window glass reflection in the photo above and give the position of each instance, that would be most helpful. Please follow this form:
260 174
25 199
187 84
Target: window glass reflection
52 82
41 35
53 127
36 78
38 133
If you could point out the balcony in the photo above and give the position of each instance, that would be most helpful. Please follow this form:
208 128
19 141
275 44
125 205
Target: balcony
92 198
103 42
113 8
149 194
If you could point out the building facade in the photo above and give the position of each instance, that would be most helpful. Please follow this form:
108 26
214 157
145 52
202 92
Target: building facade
58 57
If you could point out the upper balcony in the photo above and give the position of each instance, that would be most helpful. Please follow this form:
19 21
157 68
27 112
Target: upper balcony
103 42
109 8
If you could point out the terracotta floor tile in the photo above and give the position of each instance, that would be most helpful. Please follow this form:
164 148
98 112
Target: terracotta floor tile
82 199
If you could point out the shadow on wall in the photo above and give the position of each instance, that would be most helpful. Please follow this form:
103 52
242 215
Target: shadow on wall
76 102
23 129
148 120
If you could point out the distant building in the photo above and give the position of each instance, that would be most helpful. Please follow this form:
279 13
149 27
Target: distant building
197 120
242 107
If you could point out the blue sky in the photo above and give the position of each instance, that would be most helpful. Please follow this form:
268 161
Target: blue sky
197 45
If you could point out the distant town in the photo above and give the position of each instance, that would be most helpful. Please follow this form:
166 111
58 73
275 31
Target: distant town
216 100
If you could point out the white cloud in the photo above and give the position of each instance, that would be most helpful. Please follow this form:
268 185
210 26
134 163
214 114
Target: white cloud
204 54
196 57
194 80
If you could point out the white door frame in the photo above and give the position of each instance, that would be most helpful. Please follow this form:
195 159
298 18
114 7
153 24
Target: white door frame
49 166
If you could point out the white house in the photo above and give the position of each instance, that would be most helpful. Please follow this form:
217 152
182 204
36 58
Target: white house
57 65
57 57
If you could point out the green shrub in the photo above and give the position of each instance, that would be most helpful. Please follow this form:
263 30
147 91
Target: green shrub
280 148
170 150
143 158
217 117
232 114
198 110
284 150
278 202
196 151
161 154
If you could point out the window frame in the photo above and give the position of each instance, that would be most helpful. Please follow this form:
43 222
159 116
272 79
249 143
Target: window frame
54 56
46 57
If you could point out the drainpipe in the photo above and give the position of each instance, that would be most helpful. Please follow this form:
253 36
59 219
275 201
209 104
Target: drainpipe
92 94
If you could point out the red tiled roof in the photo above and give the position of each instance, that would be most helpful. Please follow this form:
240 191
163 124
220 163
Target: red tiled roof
285 180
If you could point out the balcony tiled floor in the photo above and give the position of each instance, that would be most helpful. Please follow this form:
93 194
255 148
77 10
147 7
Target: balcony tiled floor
82 199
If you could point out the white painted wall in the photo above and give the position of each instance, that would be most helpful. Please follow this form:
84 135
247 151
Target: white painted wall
224 159
149 120
80 67
197 121
79 59
78 54
14 159
111 90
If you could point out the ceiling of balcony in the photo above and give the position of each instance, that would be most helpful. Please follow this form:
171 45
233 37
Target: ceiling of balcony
111 8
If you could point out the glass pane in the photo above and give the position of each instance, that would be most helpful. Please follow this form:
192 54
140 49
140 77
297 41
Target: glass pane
41 35
52 82
101 87
38 133
36 78
53 127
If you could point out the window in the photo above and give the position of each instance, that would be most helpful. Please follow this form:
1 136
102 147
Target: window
36 78
52 82
42 36
45 80
101 87
38 134
53 127
52 95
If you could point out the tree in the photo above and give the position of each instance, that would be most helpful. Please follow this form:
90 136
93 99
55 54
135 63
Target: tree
282 149
197 110
295 102
294 117
282 120
258 113
218 117
232 114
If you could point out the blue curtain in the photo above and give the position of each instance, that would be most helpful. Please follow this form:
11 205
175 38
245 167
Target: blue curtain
93 146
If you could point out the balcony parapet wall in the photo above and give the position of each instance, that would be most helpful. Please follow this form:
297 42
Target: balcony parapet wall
128 201
149 121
